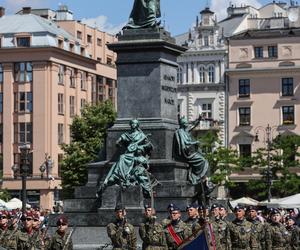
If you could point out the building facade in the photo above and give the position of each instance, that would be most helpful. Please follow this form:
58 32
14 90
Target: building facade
47 75
264 83
201 86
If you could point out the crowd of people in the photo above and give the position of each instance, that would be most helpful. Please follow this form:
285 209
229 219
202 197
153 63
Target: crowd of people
29 231
248 229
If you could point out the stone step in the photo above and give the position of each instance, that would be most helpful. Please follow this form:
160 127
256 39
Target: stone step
83 205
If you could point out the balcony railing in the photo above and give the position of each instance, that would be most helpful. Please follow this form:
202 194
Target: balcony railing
208 125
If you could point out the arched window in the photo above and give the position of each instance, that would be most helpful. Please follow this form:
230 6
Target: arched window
211 73
202 74
179 75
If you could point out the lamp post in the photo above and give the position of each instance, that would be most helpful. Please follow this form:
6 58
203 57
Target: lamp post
24 149
268 132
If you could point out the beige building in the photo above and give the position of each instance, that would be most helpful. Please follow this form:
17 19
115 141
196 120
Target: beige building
47 73
263 86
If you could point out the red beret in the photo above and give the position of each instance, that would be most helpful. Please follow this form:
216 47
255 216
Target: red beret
62 220
36 216
28 214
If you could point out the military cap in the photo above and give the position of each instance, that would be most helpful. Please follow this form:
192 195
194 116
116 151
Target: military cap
252 208
119 207
170 206
28 214
174 208
4 213
146 206
62 220
291 218
239 207
222 206
274 211
193 205
213 206
36 216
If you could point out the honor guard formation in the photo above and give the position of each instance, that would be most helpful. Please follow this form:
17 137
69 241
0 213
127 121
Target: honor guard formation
247 228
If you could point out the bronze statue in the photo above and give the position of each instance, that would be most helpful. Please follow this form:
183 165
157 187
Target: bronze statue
132 166
186 149
144 14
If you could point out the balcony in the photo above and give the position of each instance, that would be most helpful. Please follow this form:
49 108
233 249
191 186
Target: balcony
208 125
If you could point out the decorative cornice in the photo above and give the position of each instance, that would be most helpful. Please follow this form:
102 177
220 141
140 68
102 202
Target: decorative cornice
201 87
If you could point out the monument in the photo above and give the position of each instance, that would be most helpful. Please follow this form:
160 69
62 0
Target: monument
147 90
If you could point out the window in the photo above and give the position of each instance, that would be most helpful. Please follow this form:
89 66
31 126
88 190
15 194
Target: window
23 41
99 59
61 74
202 74
82 103
258 52
192 71
244 87
206 41
60 133
110 85
1 102
60 43
60 158
23 102
245 150
60 104
272 51
83 78
72 106
288 115
211 74
23 132
1 74
23 72
79 35
71 45
89 38
109 61
206 110
99 41
179 75
72 79
287 86
244 114
82 51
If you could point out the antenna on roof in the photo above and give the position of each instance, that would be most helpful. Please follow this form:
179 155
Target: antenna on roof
207 4
164 19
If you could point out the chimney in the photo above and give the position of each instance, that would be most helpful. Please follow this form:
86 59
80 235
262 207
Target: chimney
2 11
26 10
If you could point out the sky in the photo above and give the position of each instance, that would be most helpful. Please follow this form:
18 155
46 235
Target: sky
111 15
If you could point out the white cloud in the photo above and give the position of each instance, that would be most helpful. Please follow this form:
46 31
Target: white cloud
220 6
12 6
101 22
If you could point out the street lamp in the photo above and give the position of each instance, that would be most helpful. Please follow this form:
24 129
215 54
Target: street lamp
268 133
24 149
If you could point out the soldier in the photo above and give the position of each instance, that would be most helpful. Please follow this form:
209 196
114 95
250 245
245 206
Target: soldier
223 213
151 232
38 237
293 233
240 231
258 229
276 234
8 237
167 220
62 237
176 231
221 228
120 232
193 217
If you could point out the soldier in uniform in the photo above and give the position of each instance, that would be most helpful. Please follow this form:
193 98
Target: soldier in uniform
240 231
62 237
223 213
151 232
193 217
8 237
176 231
258 229
221 228
277 236
293 233
120 232
38 237
167 220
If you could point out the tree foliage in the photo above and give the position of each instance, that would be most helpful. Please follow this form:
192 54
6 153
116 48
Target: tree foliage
5 195
88 134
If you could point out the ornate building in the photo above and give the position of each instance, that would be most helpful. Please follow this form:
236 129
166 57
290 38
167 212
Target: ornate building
201 83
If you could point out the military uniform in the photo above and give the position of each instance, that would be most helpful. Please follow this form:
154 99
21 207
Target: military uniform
122 235
26 241
277 237
241 235
182 231
58 242
223 234
193 224
293 237
258 230
152 235
8 239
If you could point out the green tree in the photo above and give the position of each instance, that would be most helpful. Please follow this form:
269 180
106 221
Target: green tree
5 195
88 134
222 161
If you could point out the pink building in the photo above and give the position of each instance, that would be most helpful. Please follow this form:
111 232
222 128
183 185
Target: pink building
46 76
263 86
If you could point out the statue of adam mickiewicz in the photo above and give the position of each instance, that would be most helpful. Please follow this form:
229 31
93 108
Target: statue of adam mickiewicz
144 14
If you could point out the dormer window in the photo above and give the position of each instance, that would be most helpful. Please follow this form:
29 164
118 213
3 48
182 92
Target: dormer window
23 41
206 41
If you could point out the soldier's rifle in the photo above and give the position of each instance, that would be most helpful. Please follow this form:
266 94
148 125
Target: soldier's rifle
17 226
69 238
